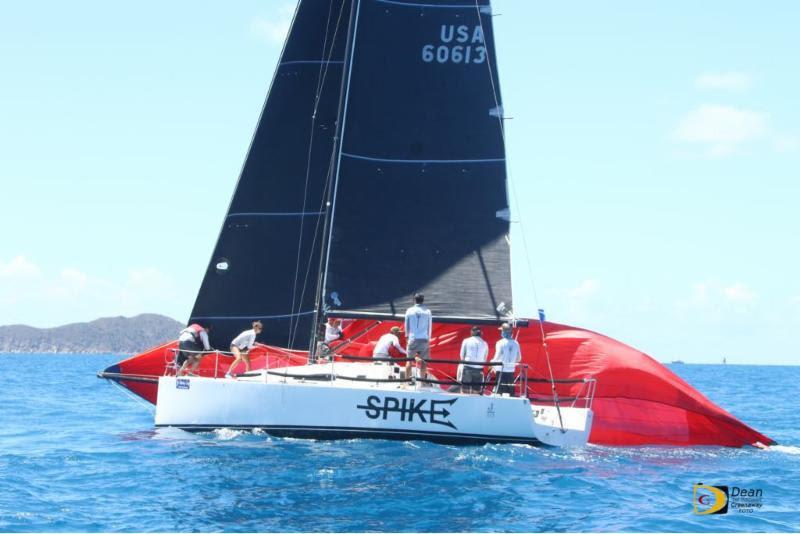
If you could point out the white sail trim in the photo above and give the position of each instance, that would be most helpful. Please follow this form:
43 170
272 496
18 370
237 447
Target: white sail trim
252 316
484 8
279 214
312 62
423 161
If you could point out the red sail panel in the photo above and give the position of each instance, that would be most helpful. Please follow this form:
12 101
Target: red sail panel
140 373
638 400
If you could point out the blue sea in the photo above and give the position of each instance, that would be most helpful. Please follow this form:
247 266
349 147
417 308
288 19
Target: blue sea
78 454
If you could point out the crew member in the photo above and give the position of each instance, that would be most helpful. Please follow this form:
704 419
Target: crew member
418 328
333 330
507 352
192 341
241 345
390 339
473 349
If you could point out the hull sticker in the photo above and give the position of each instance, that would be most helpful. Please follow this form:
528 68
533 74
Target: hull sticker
425 410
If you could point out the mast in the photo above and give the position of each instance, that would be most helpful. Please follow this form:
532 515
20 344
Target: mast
330 203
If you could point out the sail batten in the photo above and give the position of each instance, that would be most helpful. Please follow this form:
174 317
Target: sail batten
399 316
424 161
252 316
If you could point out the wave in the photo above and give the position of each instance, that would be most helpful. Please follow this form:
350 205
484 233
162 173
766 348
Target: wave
785 449
226 434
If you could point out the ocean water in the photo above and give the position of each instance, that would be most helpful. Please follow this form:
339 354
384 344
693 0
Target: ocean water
77 454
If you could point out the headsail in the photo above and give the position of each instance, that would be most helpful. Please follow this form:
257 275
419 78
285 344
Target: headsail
421 201
266 260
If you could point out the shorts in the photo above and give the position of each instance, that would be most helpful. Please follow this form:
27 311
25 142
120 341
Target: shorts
472 378
241 350
188 349
505 382
421 347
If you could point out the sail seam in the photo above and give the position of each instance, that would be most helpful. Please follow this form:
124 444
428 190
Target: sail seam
434 161
312 62
255 316
417 4
277 214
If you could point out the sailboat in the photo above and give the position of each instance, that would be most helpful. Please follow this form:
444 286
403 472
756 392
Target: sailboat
377 171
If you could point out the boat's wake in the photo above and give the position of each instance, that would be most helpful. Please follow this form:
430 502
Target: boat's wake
785 449
227 434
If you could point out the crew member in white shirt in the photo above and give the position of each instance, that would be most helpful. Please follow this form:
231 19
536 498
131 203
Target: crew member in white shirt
333 329
192 341
418 327
473 349
390 339
507 352
241 345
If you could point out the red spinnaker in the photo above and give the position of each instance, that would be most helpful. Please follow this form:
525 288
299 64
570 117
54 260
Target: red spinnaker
638 401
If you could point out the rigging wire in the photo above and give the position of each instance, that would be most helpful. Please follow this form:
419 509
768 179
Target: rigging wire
150 407
314 242
321 77
500 119
333 174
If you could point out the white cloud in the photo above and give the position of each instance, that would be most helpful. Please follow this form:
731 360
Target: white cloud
728 81
739 292
28 295
579 304
722 129
18 267
17 276
586 289
69 284
715 298
273 29
74 277
148 278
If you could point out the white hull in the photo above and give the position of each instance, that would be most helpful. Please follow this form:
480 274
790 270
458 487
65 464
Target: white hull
342 409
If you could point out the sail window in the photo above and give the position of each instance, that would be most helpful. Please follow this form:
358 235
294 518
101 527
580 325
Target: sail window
222 265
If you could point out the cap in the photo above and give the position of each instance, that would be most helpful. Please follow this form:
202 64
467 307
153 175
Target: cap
395 330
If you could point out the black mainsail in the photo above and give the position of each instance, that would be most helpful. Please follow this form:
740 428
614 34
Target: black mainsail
266 260
377 170
420 201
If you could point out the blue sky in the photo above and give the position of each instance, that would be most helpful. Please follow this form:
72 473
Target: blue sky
654 149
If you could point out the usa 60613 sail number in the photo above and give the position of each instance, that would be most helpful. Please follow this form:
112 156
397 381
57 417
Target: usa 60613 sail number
457 44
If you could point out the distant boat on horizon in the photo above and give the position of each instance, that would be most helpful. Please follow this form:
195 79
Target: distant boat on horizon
677 362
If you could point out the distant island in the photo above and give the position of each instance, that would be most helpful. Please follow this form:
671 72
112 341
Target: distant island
120 335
